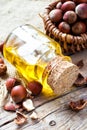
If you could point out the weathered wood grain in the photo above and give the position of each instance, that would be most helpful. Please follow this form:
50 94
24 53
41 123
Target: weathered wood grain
49 107
58 111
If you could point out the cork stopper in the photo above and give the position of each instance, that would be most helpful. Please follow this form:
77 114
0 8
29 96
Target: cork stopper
62 75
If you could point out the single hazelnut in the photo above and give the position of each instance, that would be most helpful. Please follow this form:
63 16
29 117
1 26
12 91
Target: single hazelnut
1 61
18 93
20 119
3 69
34 116
9 106
10 83
1 47
28 105
35 87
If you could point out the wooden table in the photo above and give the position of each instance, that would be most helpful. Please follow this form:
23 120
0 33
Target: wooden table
52 108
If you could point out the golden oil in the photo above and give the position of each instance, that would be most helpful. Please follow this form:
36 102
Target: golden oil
30 51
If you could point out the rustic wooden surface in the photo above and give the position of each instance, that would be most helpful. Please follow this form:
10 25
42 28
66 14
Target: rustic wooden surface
50 107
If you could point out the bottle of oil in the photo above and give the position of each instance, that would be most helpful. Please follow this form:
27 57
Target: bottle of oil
38 57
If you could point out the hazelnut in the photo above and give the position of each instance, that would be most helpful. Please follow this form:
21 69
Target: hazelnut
18 93
1 47
1 61
9 107
35 87
10 83
20 119
28 105
3 69
78 105
34 116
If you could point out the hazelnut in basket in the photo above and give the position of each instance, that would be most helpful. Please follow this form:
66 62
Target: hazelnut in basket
66 22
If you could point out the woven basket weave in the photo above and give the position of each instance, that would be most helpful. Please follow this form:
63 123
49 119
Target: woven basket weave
69 43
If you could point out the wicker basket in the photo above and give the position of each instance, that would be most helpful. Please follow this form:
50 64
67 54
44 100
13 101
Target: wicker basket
69 43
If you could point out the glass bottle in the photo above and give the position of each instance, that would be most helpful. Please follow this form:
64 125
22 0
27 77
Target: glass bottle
35 56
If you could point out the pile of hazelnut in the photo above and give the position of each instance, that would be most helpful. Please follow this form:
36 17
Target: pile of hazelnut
70 16
3 67
21 96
